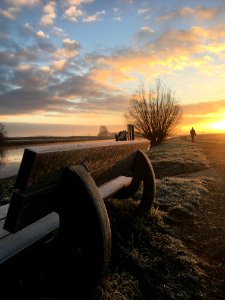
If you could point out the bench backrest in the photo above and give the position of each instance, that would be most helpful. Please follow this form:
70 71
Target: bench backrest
41 165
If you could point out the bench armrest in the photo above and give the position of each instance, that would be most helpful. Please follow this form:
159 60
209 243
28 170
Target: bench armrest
41 230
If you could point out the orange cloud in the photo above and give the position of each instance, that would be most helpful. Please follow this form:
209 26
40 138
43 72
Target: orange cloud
58 65
40 34
49 14
69 49
199 12
73 13
23 2
206 116
173 51
9 13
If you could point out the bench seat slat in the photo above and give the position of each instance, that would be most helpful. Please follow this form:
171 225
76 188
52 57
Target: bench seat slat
110 188
3 211
3 232
14 243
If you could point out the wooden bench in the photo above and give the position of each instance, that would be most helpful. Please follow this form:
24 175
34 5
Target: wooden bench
58 204
122 136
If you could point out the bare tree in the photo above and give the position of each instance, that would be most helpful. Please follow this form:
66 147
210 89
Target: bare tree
3 132
155 114
103 131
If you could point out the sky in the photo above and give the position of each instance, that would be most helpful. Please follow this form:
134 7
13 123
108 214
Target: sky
68 67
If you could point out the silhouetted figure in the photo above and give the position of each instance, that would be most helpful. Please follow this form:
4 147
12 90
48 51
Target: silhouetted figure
193 133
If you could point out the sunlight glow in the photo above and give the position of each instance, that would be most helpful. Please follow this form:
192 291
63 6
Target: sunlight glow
218 126
204 127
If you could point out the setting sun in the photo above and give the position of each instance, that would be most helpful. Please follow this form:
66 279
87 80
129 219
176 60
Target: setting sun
218 126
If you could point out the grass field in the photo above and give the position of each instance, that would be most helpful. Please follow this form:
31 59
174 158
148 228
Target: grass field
149 260
157 257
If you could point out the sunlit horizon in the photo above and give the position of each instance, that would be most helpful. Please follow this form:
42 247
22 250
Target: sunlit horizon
37 129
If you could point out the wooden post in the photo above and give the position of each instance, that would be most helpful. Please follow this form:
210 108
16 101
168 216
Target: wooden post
130 129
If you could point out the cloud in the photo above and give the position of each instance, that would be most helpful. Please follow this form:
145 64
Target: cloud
26 31
37 48
73 13
88 95
203 114
7 59
49 14
28 27
106 103
78 2
40 77
16 54
24 67
195 44
203 108
171 52
59 65
142 11
144 33
31 90
23 2
37 90
59 32
197 47
106 77
22 101
35 52
197 13
29 77
112 70
14 58
146 29
94 18
40 34
45 69
9 13
69 43
70 49
118 19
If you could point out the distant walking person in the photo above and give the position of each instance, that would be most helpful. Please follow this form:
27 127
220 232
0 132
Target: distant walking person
193 133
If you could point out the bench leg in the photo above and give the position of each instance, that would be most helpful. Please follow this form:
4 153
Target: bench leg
142 172
84 209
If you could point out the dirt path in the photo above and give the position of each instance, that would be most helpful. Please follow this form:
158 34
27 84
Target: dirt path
206 235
